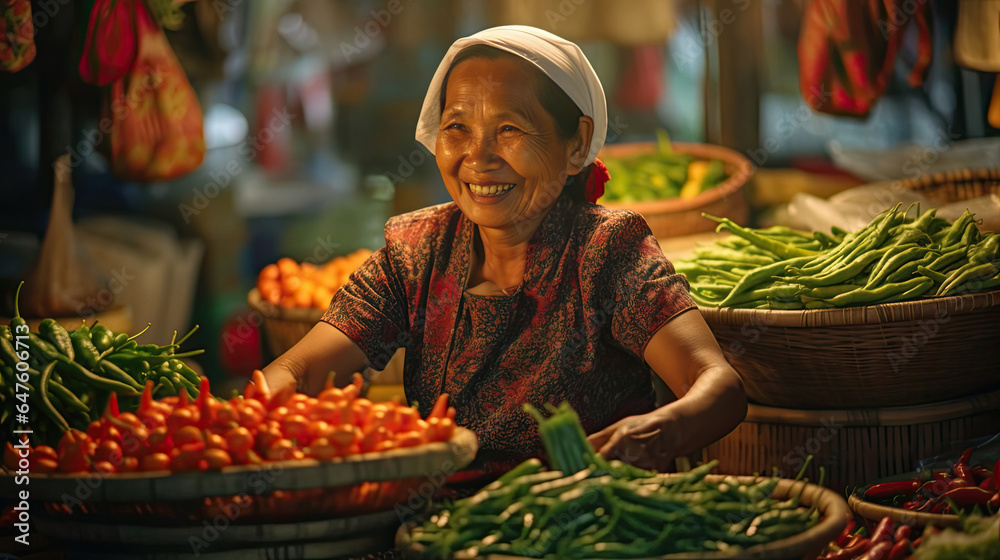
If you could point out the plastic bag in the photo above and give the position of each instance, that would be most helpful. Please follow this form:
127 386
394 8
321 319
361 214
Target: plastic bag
156 131
109 49
64 281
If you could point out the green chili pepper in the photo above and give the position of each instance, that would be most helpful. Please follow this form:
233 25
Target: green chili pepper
783 250
102 338
42 347
909 269
47 408
133 364
18 325
189 374
85 351
111 371
55 333
863 296
77 371
5 332
965 274
892 260
8 354
761 274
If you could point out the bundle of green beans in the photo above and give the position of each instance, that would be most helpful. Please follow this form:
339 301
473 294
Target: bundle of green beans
71 374
608 509
893 258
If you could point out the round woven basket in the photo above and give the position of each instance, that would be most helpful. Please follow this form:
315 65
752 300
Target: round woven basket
855 446
805 546
958 184
892 354
675 217
283 326
875 512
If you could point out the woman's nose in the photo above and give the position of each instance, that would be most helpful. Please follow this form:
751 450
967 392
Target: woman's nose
482 154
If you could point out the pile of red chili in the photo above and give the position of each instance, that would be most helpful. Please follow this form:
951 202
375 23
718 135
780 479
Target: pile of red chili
888 541
963 486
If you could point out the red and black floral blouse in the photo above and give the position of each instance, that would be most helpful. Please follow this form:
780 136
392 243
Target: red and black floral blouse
596 288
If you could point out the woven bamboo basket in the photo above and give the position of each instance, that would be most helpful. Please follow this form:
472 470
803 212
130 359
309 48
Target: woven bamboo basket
959 184
283 326
806 546
875 512
675 217
892 354
855 446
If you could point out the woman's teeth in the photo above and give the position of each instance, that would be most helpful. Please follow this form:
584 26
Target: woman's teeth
489 190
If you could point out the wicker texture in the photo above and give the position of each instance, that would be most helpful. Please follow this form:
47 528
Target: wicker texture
875 512
959 184
881 355
854 446
675 217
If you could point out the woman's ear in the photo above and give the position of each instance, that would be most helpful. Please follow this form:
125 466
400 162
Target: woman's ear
580 145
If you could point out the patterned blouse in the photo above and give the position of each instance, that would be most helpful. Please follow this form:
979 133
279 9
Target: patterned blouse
596 288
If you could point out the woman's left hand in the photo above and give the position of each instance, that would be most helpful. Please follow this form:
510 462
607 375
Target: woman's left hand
646 441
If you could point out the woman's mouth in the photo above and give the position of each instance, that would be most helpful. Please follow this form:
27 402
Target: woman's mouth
490 190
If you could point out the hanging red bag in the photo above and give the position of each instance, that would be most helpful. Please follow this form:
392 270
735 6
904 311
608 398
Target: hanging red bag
847 51
110 46
156 122
17 35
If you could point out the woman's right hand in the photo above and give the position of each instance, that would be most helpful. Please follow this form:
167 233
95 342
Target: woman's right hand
281 383
305 366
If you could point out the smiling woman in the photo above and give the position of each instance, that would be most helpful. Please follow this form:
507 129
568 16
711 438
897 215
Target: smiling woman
522 290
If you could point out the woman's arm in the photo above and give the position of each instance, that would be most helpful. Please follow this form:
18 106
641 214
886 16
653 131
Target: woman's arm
711 401
307 364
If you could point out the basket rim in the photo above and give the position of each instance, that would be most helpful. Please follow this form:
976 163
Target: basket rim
874 512
929 308
393 464
736 180
887 416
834 509
270 311
961 175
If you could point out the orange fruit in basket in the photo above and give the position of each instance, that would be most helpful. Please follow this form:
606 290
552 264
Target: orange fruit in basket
287 267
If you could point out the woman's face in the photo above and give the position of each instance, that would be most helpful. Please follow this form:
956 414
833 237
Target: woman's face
498 151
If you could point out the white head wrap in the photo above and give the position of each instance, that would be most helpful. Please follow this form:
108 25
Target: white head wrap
557 58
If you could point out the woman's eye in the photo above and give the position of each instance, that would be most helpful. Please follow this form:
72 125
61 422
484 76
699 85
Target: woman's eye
454 126
509 128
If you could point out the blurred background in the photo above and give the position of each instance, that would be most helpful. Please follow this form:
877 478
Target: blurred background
308 111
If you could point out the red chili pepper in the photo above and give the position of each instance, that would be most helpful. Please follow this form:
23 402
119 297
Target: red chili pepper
883 531
900 550
988 484
849 551
902 532
845 535
940 507
889 489
966 497
994 503
916 542
981 473
962 468
996 475
877 552
942 475
958 483
933 488
146 400
111 410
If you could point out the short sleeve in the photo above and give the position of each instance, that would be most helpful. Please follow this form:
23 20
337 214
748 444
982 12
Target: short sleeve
371 309
639 280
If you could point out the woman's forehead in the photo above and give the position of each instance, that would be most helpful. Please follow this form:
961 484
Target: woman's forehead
508 80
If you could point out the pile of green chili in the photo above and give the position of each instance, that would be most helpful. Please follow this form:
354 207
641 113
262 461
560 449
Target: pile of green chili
607 509
893 258
71 374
